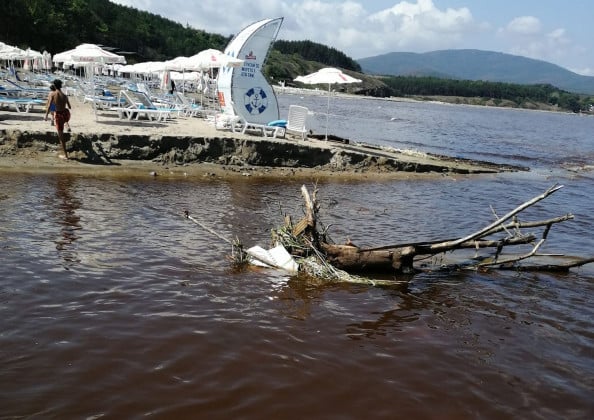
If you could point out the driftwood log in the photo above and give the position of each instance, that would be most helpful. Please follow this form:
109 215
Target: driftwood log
403 258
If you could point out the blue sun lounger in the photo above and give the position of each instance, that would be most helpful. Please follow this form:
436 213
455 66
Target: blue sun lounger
20 104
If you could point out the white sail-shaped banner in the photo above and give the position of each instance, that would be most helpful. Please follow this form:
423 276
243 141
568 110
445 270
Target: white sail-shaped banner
244 90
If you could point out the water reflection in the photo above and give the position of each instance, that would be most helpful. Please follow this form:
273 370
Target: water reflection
67 204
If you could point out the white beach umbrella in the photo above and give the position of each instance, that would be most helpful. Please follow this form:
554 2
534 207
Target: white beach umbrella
179 64
191 76
211 59
4 49
92 56
176 64
11 53
32 54
146 67
327 76
89 55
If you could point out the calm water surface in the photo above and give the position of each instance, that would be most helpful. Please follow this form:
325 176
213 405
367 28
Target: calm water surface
112 305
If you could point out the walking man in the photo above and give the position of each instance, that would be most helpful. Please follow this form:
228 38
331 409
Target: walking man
62 113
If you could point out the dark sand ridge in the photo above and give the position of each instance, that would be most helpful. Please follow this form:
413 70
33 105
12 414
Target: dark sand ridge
103 144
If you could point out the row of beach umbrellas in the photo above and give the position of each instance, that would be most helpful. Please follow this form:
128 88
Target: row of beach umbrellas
203 61
91 55
31 59
94 55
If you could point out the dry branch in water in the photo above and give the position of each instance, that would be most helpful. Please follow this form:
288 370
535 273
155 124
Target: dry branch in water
305 241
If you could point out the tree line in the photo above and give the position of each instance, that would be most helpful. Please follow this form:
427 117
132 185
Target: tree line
59 25
312 51
433 86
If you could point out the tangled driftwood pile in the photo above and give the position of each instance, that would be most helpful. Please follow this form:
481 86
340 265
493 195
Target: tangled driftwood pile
317 255
305 247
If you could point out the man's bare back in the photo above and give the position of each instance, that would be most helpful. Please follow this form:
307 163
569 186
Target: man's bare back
59 99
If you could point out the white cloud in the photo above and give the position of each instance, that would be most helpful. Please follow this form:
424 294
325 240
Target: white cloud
336 25
350 26
524 25
346 25
525 36
408 26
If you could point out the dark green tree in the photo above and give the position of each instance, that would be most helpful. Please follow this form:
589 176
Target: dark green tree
320 53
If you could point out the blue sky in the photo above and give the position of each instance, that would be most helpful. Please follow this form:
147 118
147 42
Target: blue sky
560 32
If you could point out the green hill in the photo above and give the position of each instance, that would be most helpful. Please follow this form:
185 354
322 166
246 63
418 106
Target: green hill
477 65
59 25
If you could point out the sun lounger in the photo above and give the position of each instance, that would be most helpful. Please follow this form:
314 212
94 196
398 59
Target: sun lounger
20 104
188 108
133 105
167 109
102 101
26 91
296 121
224 121
262 129
294 124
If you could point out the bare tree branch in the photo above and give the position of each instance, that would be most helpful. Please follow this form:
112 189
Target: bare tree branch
452 244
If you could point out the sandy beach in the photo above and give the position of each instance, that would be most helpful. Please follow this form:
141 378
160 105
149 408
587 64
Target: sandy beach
86 121
39 152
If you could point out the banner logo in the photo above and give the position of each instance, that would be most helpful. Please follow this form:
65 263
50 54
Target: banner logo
255 101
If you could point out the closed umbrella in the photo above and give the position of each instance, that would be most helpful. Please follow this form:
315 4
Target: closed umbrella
47 60
329 76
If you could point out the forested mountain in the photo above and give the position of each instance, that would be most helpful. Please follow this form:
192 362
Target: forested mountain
59 25
477 65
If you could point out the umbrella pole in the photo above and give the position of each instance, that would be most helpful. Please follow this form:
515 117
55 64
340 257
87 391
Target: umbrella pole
93 92
327 111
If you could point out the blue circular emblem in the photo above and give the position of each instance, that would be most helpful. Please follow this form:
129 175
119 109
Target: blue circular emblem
255 101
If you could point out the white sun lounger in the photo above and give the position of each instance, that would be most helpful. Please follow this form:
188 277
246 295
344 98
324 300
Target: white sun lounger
133 105
296 120
188 108
263 129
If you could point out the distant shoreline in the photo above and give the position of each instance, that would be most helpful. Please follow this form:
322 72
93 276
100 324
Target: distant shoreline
444 100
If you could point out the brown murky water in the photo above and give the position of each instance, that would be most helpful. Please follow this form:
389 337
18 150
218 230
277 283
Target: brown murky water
112 305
